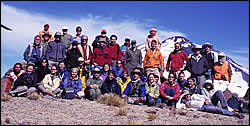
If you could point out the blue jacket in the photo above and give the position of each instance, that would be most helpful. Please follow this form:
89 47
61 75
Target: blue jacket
62 74
139 90
76 84
111 87
35 54
118 71
181 84
55 51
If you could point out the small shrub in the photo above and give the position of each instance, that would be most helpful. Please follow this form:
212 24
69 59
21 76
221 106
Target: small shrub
33 96
182 111
152 116
134 122
7 120
121 111
5 97
111 100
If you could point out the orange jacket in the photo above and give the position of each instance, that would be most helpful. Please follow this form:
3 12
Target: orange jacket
153 61
224 69
42 32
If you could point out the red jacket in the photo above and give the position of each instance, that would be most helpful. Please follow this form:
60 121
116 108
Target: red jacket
11 79
101 59
165 85
116 55
177 61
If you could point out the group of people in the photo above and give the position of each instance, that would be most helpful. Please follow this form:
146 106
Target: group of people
64 66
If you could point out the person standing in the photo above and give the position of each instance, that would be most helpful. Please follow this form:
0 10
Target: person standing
46 29
56 50
66 37
133 58
78 36
210 59
103 35
46 36
115 49
153 61
152 36
86 52
124 48
71 60
197 65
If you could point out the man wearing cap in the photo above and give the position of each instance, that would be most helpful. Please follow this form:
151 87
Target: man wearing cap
56 50
101 55
86 52
71 60
66 37
45 41
46 29
115 49
152 36
34 52
103 35
94 85
133 58
210 59
126 46
197 65
78 36
153 61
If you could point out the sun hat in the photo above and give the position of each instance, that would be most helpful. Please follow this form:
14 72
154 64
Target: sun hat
96 70
221 54
196 47
80 59
207 45
58 34
65 27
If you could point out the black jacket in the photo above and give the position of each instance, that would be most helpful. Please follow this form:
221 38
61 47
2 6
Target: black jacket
41 72
94 44
72 56
111 87
26 79
197 68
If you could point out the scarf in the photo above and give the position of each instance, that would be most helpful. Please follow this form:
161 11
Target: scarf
102 49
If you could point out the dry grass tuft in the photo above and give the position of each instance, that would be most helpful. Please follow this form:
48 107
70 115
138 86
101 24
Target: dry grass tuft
182 111
5 97
112 100
123 111
33 96
7 120
134 122
152 116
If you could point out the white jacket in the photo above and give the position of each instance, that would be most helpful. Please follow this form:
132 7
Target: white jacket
50 84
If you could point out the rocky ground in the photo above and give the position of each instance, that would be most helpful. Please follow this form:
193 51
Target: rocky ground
48 111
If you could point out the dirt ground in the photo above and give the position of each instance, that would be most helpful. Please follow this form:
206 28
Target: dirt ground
49 111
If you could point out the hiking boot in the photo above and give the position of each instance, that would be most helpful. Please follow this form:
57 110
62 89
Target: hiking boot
162 106
151 103
240 116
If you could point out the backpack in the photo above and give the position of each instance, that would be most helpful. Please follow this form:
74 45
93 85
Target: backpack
30 52
68 92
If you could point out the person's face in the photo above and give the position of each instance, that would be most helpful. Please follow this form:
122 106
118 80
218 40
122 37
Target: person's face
197 51
81 63
134 45
181 77
97 74
46 38
119 64
78 31
208 86
30 69
57 38
53 70
136 76
111 76
221 58
103 33
171 78
106 67
61 66
17 68
188 97
151 78
190 82
74 46
153 44
84 40
113 39
207 49
156 79
37 40
177 47
74 73
64 31
101 44
44 63
46 28
152 33
125 74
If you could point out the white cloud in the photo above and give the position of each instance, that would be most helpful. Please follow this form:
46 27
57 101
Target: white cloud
26 25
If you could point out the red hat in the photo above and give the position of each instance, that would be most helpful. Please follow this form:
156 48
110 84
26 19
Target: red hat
104 30
153 29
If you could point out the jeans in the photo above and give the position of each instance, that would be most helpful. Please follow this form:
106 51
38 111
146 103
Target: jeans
200 80
169 92
156 100
208 75
218 96
213 109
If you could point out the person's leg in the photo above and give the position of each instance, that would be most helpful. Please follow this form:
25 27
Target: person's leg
218 96
157 101
151 100
19 89
157 72
98 92
167 91
92 94
172 93
213 109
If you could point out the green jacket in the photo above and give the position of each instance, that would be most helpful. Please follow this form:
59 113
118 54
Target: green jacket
92 81
153 89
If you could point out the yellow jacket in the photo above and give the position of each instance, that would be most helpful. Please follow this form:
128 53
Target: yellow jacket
123 85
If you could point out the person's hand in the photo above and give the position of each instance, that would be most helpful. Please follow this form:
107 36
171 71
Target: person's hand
92 86
123 95
150 94
170 98
95 64
142 99
187 103
87 62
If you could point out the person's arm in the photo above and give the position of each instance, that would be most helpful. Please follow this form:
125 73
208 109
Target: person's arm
159 42
178 93
140 58
157 92
125 60
168 62
162 88
79 85
161 62
229 72
25 54
145 60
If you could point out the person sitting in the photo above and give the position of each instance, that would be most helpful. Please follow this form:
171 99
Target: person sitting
51 82
215 96
181 80
42 70
135 92
94 85
73 81
71 60
203 103
152 91
104 72
25 83
83 74
170 91
118 69
63 73
17 71
191 86
110 85
123 80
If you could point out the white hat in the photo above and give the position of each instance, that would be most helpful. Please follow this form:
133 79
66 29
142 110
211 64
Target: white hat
80 59
221 54
96 70
64 27
208 81
197 47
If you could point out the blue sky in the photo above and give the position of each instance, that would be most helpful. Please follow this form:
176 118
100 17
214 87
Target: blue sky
224 24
